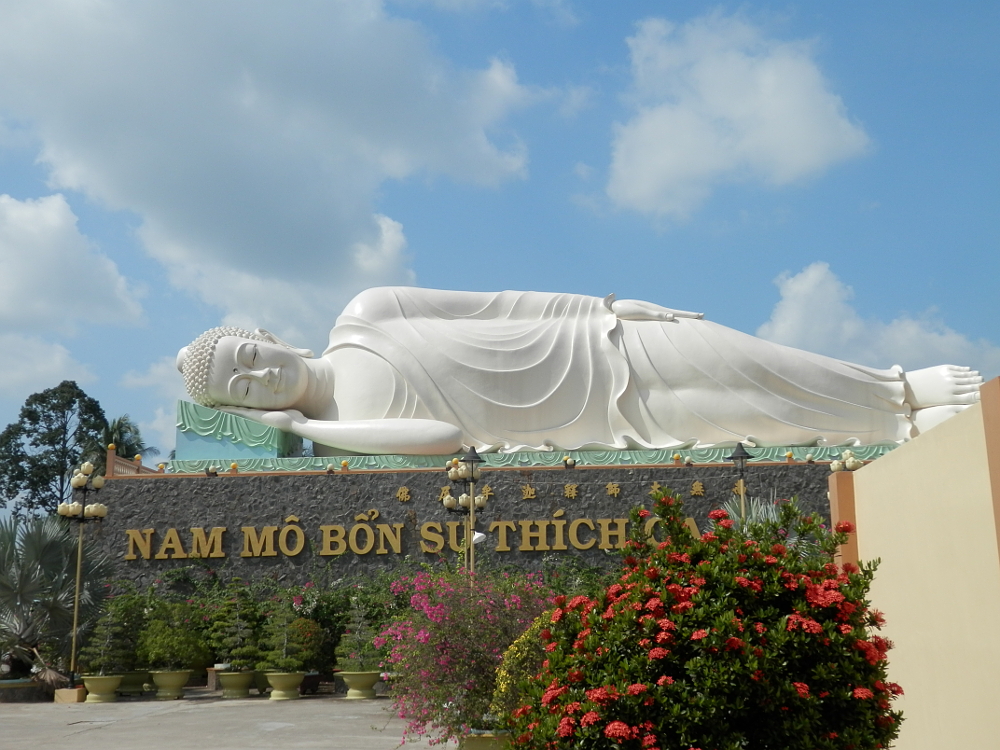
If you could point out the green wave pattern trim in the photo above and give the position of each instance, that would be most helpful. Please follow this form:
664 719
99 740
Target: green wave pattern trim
535 459
213 423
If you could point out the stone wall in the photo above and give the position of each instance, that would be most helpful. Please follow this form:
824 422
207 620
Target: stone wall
300 522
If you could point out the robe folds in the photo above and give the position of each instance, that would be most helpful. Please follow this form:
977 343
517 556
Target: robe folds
539 370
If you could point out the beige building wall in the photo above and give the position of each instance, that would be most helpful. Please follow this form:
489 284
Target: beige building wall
928 510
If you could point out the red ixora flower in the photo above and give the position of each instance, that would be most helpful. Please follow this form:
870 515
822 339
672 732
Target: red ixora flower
717 514
566 726
862 693
618 730
802 689
644 513
699 634
591 717
845 527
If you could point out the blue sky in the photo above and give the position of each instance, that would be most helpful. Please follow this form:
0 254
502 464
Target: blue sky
824 176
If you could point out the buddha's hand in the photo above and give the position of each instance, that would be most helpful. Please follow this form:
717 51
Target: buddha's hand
634 309
281 420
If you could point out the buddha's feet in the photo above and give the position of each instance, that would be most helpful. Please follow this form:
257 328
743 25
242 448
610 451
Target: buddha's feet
944 385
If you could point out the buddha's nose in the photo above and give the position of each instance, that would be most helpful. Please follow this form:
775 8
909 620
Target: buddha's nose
265 376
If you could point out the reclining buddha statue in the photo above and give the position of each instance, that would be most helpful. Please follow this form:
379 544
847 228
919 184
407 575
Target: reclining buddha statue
423 371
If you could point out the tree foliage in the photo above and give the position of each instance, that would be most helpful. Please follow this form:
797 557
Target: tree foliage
37 579
39 450
125 435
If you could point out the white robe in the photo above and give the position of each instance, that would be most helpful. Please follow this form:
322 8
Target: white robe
536 370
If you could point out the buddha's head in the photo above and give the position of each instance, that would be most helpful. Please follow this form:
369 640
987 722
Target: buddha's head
229 366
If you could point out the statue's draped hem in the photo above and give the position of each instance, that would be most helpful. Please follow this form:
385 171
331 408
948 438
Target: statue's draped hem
543 371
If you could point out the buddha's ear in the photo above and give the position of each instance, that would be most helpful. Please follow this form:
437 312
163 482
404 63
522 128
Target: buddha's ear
271 338
181 356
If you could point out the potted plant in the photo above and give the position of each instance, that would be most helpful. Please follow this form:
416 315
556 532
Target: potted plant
172 645
445 650
288 645
234 639
747 636
102 660
127 607
358 659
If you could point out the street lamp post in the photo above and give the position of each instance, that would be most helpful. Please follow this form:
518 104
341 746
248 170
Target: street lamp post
465 472
740 458
84 483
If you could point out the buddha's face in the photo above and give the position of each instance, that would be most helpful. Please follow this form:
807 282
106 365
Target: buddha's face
256 375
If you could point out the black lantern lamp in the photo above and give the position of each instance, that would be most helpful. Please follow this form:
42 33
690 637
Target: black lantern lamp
465 472
739 459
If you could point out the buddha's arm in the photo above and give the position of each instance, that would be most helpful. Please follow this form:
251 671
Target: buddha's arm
371 436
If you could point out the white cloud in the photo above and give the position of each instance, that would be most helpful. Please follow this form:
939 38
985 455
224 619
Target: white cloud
574 100
815 314
161 377
251 140
34 365
167 386
53 278
715 101
161 431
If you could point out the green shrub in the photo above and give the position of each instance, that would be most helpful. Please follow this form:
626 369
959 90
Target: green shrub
234 627
173 639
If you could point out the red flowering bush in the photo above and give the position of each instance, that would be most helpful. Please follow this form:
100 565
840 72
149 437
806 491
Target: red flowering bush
731 640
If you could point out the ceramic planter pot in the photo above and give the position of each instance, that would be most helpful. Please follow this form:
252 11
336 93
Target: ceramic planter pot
170 683
133 683
101 688
285 685
359 684
235 684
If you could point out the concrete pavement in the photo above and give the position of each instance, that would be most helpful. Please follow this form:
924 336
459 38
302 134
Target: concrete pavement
204 721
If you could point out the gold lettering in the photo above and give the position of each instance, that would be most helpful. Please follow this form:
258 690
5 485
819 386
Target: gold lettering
394 534
692 526
431 531
574 539
613 489
570 491
607 532
527 534
403 494
648 529
503 527
559 544
139 540
453 527
171 542
258 546
369 541
527 492
207 547
333 535
300 541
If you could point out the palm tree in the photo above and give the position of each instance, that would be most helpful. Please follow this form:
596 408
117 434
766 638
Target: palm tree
37 580
125 435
